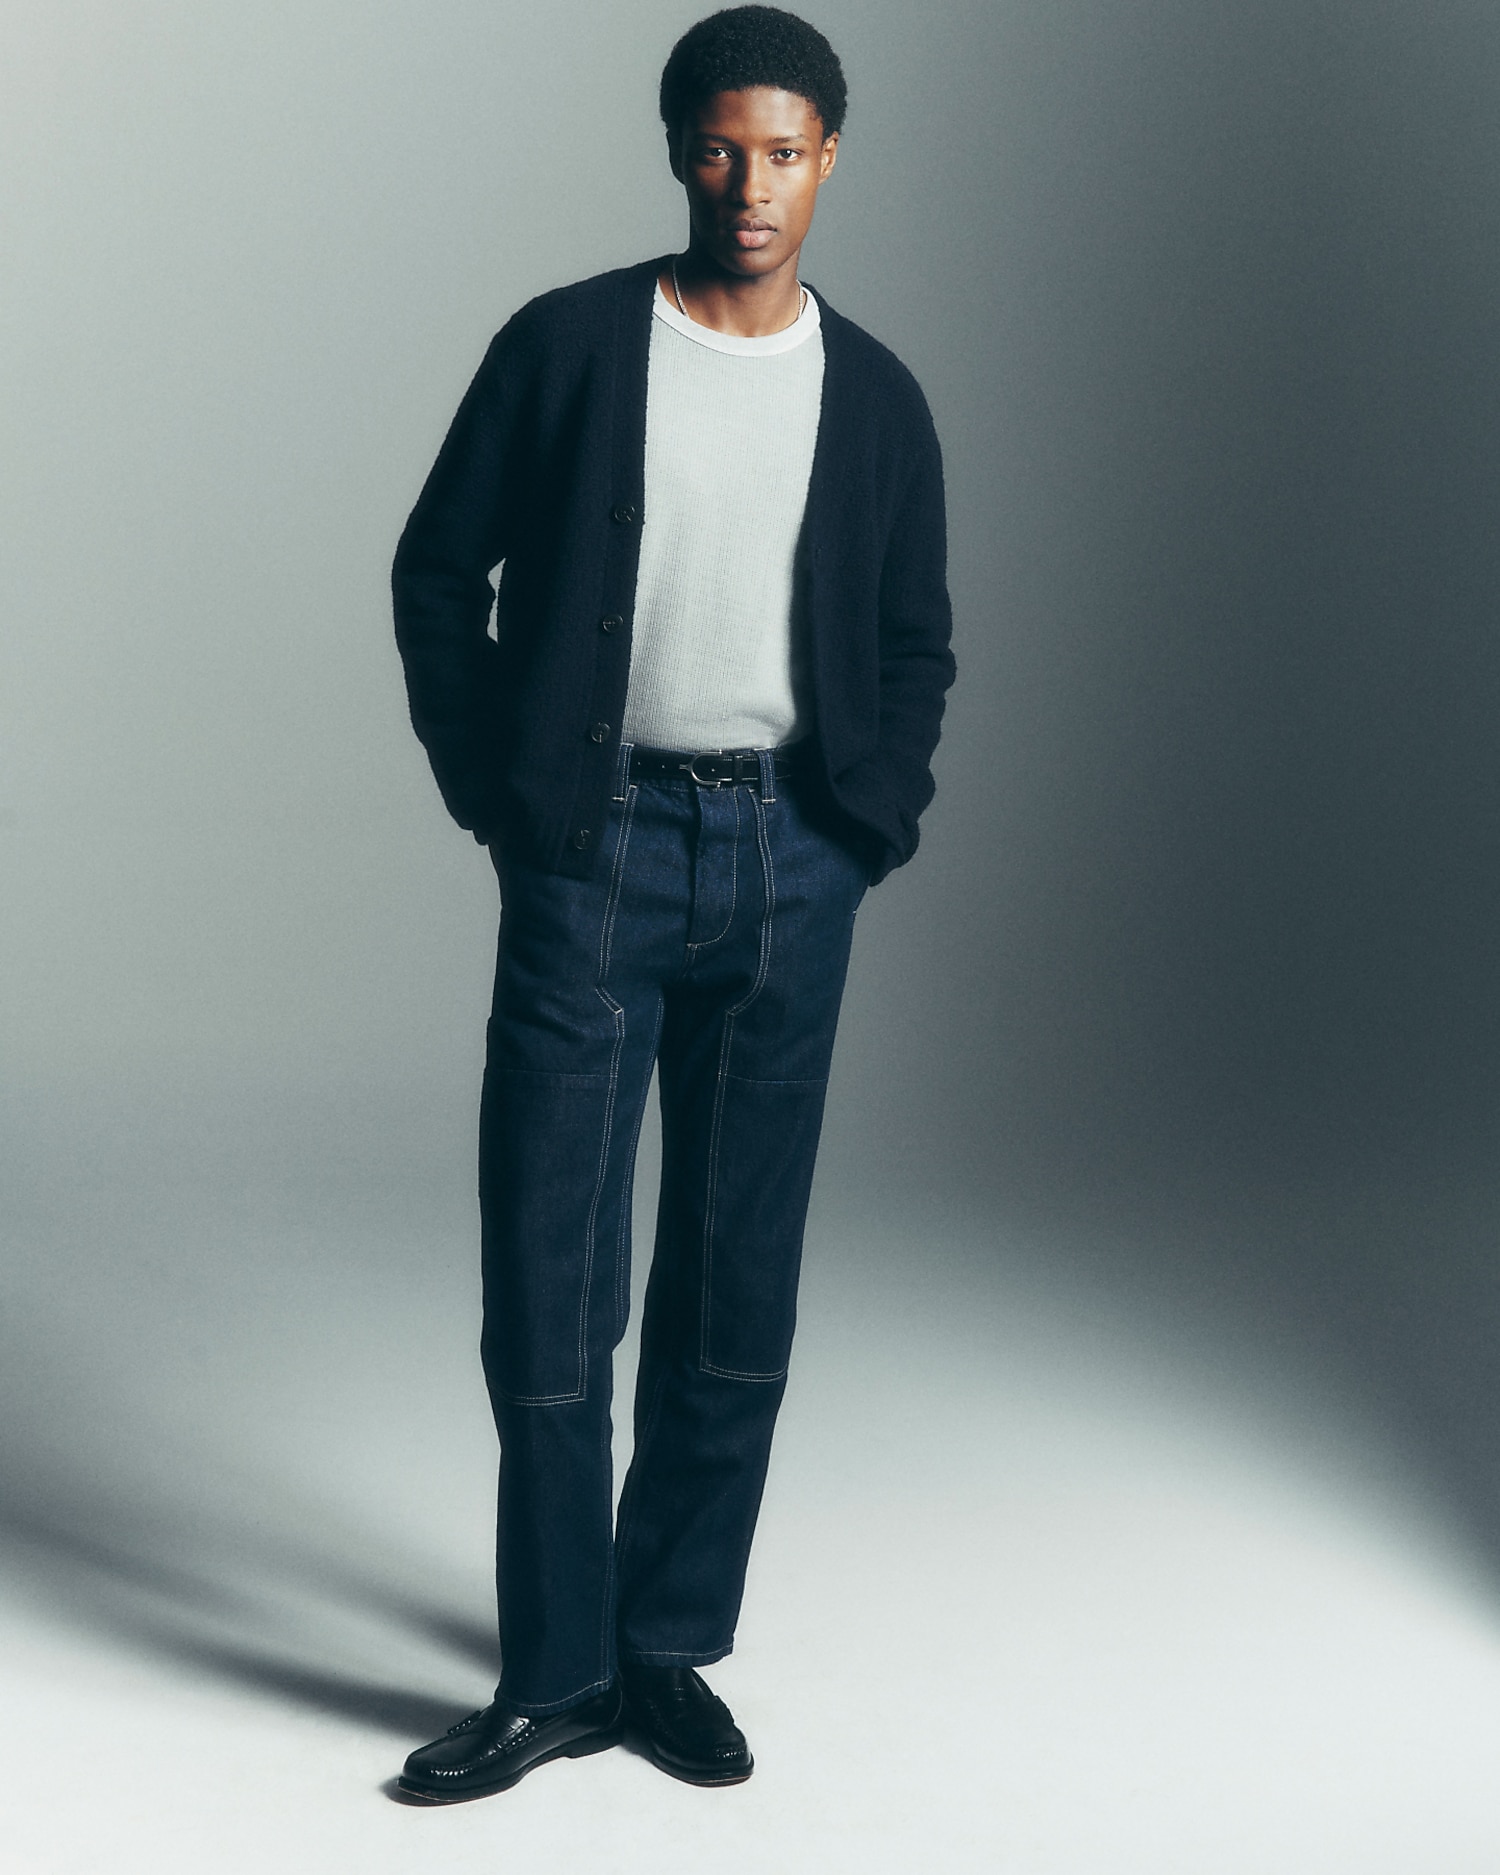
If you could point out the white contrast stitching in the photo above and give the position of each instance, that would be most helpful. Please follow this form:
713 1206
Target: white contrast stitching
617 1010
558 1705
606 935
676 1654
705 1365
627 1183
622 770
734 873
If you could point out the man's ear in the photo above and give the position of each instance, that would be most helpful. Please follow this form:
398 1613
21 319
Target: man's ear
674 155
828 157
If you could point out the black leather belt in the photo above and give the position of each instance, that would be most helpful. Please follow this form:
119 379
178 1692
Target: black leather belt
710 768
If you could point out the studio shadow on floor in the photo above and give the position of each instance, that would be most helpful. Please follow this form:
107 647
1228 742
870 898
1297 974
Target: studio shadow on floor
233 1588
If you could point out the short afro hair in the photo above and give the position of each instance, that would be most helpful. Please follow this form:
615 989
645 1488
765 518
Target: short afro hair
747 46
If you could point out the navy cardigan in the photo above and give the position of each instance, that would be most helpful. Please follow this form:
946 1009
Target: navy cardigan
544 470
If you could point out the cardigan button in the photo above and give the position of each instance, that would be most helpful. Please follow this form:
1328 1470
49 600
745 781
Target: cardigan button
622 512
583 840
611 622
599 732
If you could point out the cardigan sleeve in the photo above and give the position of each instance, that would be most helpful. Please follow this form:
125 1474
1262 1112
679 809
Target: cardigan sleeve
916 664
461 528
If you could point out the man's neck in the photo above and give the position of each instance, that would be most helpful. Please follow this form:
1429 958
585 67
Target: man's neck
746 309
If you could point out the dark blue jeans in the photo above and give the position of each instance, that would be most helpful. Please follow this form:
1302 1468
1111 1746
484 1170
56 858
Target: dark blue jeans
712 942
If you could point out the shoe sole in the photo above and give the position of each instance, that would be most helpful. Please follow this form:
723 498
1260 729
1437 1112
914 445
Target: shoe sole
580 1748
705 1780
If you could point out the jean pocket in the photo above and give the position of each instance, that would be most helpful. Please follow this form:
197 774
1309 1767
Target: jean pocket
542 1144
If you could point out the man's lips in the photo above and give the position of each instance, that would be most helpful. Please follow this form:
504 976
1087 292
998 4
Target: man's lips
752 234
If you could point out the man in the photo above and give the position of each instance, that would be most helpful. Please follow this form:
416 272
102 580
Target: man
700 729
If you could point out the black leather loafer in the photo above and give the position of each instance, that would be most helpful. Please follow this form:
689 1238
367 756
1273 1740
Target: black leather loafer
687 1730
493 1749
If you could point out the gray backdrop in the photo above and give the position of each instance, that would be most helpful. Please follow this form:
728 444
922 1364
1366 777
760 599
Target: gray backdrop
1192 986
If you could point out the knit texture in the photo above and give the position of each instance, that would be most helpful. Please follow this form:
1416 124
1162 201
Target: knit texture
543 468
730 432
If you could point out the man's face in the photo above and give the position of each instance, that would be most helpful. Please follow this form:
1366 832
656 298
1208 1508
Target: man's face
751 163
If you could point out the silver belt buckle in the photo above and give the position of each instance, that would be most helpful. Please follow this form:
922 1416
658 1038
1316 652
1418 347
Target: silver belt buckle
707 781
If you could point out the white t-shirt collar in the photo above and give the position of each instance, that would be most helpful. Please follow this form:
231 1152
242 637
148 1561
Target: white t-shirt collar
802 328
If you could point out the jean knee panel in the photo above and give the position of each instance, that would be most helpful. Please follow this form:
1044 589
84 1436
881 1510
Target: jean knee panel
542 1173
548 1150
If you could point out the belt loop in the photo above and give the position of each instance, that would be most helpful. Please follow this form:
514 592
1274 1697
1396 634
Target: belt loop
622 771
767 774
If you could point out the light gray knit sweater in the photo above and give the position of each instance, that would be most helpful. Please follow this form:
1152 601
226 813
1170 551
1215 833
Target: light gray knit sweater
731 424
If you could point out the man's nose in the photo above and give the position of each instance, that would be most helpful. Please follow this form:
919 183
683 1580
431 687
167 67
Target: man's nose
752 181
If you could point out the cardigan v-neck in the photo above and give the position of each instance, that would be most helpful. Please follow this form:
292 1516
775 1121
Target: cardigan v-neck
518 695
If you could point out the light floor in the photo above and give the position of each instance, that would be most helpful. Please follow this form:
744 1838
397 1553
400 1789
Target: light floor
1041 1587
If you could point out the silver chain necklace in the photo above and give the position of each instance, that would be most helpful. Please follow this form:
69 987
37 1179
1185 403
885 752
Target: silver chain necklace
677 290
